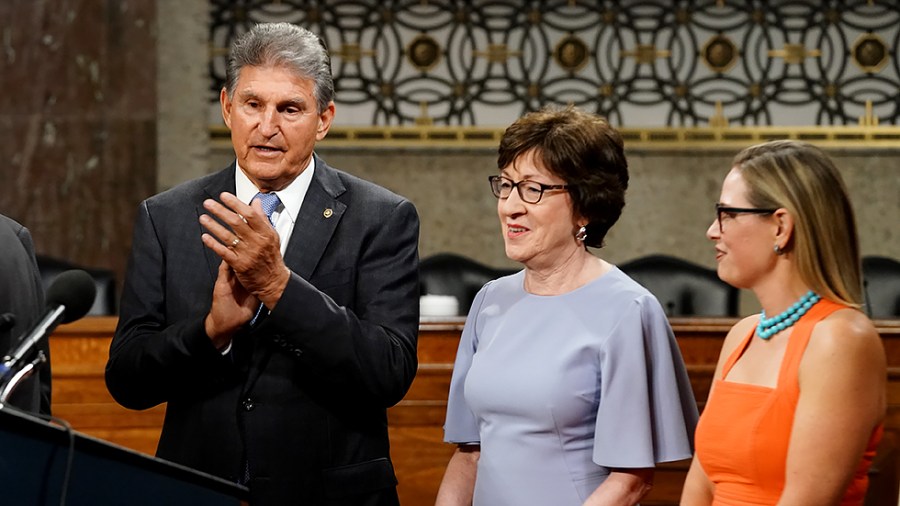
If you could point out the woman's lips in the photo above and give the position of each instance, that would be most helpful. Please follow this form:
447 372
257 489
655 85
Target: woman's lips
515 230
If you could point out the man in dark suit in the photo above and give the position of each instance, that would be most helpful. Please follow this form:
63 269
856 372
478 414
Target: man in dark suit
278 330
22 295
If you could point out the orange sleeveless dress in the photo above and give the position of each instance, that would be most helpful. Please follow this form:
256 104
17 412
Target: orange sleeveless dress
743 435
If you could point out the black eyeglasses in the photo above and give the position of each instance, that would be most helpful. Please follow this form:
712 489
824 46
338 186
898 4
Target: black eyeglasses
529 191
731 212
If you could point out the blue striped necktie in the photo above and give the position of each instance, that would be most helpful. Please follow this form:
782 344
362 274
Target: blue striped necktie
270 203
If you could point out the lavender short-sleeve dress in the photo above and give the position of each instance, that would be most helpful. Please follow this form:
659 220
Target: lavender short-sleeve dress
558 389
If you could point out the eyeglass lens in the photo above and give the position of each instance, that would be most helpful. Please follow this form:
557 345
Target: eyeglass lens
731 212
529 191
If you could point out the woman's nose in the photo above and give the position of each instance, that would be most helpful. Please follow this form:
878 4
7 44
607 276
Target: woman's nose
512 204
713 233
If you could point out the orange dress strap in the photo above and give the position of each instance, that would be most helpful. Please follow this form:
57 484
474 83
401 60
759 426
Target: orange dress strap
789 373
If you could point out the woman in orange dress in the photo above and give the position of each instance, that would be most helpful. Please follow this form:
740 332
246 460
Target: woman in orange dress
798 397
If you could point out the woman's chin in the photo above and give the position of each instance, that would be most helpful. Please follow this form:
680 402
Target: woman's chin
514 252
730 277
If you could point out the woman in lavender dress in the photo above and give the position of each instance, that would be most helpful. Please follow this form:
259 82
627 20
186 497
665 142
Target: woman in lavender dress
568 386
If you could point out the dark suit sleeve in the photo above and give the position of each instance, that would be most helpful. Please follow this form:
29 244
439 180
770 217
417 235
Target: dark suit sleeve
367 353
22 294
44 374
157 355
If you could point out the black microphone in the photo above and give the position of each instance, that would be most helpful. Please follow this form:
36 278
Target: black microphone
69 297
7 321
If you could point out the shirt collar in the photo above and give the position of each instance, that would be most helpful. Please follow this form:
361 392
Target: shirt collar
291 196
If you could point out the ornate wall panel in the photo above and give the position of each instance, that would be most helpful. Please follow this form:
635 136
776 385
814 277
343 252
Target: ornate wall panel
641 63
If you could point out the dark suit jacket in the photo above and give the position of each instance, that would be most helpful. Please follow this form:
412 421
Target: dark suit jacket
304 393
22 294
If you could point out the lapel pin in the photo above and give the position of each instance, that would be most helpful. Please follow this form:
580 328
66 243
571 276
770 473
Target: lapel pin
327 213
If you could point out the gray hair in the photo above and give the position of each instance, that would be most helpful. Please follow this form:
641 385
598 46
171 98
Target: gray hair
283 44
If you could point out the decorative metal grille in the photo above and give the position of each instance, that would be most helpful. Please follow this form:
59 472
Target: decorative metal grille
640 63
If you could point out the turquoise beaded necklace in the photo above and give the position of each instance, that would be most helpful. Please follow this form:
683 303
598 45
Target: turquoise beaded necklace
768 327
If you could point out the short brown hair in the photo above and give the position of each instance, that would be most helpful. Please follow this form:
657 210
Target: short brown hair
582 149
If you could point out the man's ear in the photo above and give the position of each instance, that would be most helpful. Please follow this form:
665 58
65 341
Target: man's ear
325 120
226 107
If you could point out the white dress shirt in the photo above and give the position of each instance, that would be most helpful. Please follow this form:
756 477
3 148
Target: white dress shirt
285 216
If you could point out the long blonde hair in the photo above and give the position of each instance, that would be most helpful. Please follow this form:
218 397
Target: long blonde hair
801 178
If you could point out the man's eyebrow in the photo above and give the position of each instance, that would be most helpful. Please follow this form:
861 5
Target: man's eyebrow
247 94
295 101
298 101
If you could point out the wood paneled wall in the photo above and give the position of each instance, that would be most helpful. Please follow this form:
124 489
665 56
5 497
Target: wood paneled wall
78 122
79 352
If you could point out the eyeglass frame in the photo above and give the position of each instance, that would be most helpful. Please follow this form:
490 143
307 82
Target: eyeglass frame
739 210
515 184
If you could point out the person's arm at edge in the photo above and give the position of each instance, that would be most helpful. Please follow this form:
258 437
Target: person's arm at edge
44 375
623 487
458 484
698 490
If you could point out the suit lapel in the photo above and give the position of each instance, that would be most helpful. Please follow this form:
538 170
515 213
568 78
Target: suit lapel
319 216
318 219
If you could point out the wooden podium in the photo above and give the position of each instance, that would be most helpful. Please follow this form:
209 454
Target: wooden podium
40 461
79 352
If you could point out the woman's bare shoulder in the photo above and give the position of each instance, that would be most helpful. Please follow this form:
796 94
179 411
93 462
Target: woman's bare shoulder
846 335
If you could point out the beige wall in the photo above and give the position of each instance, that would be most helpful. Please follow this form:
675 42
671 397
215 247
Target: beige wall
669 203
183 47
83 151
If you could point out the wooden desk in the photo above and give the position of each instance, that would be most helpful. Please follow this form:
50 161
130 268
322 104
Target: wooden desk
79 352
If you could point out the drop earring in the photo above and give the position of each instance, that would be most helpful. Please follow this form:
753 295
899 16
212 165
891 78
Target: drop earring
581 235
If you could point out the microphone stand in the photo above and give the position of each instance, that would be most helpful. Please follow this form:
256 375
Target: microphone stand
11 381
10 377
